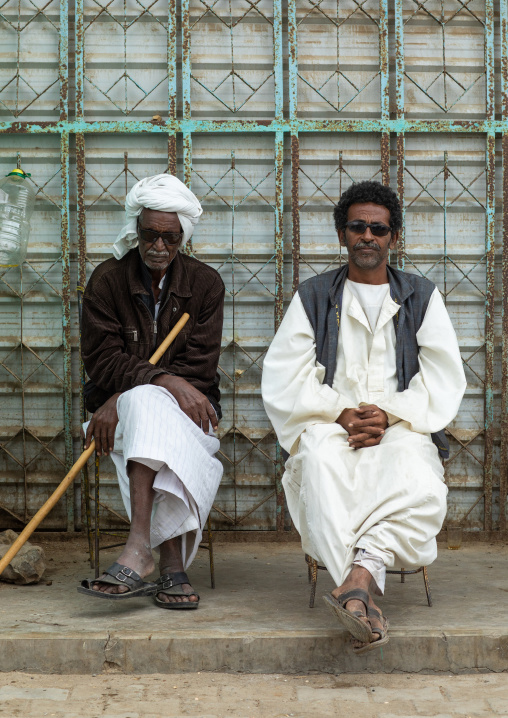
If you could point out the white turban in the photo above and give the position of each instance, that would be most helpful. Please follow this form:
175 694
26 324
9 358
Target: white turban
164 193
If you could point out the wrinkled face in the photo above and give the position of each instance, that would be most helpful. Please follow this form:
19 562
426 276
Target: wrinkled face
158 255
366 250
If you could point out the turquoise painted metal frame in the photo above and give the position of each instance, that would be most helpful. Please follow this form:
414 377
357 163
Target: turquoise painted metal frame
391 127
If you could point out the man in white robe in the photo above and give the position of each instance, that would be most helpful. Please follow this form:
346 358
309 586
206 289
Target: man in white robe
363 369
157 422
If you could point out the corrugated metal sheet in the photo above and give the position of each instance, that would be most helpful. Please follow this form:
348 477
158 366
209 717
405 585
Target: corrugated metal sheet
269 110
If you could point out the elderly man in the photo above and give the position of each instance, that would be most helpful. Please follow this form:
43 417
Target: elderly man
157 422
359 383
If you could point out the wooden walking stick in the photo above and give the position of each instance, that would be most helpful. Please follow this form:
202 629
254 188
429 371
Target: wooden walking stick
60 491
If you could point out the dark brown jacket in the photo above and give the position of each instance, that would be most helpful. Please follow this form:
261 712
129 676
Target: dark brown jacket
119 333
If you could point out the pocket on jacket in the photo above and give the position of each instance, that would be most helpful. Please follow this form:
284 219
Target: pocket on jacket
133 345
131 336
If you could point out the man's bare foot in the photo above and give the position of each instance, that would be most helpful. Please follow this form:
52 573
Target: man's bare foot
359 577
171 562
375 622
137 556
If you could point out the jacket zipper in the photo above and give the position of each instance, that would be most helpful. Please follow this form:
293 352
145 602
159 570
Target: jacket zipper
154 322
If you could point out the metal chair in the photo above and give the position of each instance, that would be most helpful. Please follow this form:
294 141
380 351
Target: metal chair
90 494
313 567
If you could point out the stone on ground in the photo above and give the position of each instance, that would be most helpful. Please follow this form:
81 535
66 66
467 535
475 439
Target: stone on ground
27 566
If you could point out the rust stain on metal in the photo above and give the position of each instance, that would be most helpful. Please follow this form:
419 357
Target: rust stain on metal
503 469
172 154
489 59
79 40
292 41
295 209
385 158
401 244
172 58
81 215
279 243
383 62
504 66
489 331
64 90
186 53
399 74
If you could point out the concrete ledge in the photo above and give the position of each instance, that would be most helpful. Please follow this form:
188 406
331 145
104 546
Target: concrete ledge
257 620
272 653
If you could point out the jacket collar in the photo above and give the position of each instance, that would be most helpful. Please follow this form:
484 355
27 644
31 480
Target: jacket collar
400 288
178 277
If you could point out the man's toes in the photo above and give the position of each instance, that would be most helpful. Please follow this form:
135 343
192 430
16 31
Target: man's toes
164 597
108 588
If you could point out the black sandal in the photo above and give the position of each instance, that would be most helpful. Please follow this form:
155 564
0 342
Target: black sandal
119 575
174 580
352 620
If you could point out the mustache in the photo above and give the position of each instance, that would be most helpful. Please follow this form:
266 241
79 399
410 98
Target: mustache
367 245
157 254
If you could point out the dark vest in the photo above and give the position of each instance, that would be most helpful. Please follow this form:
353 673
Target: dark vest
322 300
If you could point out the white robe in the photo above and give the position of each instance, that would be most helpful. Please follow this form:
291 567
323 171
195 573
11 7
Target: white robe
153 430
388 499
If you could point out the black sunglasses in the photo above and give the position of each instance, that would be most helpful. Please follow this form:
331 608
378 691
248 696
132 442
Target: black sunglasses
378 229
152 235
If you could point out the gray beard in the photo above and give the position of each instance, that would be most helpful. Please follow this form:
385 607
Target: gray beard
155 266
371 261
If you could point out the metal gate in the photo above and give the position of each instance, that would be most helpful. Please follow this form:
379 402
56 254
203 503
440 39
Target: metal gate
268 110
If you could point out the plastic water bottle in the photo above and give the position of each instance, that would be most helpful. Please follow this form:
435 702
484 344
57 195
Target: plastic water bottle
17 200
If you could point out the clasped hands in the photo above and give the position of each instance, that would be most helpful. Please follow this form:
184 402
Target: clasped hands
365 425
191 401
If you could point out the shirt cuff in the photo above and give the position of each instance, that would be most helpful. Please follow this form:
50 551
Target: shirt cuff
392 419
342 405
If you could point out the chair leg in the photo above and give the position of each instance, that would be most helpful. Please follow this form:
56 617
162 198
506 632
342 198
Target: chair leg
427 586
210 551
313 568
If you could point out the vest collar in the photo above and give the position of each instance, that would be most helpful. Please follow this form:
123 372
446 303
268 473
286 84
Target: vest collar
400 288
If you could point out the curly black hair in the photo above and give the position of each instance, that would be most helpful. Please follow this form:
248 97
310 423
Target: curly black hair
368 191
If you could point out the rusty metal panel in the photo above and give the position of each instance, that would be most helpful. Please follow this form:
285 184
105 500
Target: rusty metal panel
35 353
268 110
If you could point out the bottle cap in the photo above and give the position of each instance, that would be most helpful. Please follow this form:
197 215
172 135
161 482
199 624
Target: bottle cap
19 173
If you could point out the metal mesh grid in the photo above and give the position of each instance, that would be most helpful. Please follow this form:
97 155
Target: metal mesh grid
269 111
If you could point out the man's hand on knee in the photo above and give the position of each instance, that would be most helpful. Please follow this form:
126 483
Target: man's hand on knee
102 427
365 425
190 400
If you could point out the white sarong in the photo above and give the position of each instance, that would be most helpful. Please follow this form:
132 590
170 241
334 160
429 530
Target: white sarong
389 499
153 430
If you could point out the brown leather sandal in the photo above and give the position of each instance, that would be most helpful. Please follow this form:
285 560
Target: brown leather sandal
174 581
381 632
352 620
118 575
